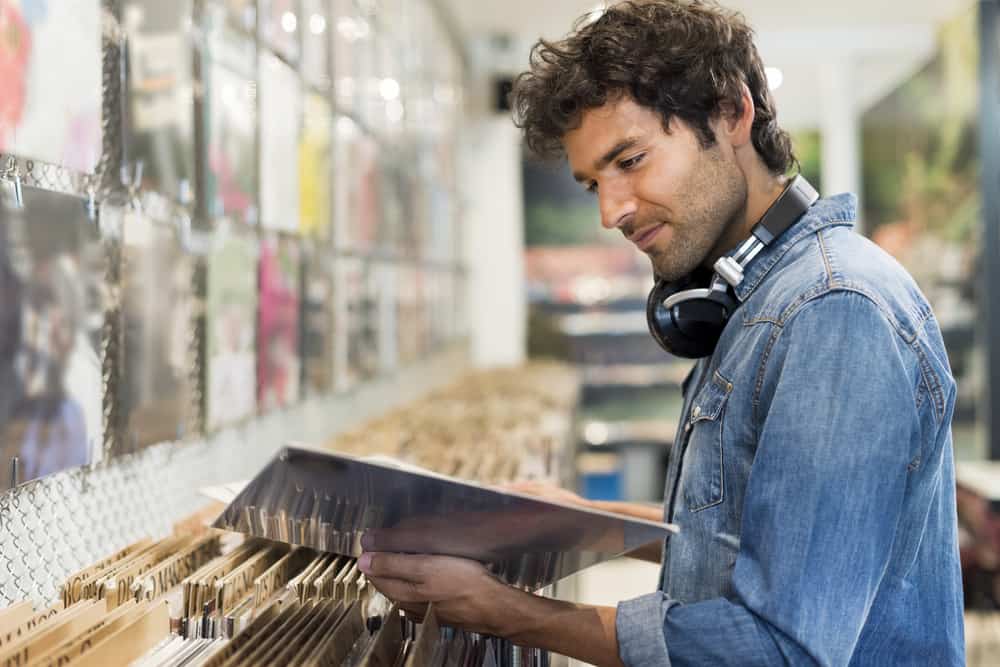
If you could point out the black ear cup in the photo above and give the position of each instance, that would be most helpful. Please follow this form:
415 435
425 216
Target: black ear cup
691 328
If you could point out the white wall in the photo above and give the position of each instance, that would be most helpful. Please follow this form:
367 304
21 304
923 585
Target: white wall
493 239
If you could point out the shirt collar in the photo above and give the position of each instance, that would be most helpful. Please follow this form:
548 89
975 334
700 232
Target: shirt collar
839 210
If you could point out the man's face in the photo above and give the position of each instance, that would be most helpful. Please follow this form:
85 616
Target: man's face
663 191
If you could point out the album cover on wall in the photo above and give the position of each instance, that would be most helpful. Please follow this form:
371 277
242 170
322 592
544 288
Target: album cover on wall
153 390
315 169
54 297
315 44
318 323
231 304
280 122
360 307
160 142
230 117
51 83
280 25
278 355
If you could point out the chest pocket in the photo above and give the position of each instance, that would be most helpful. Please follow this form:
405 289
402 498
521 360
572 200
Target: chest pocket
703 476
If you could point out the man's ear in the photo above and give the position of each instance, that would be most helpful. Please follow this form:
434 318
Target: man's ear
736 123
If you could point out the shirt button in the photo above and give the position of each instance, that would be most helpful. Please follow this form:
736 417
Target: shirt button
697 411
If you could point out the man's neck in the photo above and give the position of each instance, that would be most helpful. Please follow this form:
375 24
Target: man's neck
763 189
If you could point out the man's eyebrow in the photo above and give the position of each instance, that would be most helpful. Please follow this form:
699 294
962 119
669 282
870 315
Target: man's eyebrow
606 159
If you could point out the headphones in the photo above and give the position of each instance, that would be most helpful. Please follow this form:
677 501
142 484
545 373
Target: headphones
688 320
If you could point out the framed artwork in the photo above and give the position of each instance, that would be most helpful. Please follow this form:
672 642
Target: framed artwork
316 44
231 304
315 166
52 81
280 25
154 384
53 271
318 323
230 117
160 141
280 123
278 356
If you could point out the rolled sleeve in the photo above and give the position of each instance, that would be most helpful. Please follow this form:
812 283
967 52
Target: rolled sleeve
639 625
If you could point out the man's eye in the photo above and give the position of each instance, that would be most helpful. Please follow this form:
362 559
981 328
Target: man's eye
592 187
625 165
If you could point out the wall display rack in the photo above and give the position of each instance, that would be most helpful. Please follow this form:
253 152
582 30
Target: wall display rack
167 184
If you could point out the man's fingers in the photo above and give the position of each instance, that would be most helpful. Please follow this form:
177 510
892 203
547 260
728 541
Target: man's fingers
392 566
415 611
399 590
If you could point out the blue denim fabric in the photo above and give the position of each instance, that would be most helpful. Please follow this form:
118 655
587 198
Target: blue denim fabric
812 476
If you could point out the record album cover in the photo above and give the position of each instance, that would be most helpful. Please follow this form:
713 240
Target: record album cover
231 378
160 141
280 123
278 355
51 84
153 389
54 298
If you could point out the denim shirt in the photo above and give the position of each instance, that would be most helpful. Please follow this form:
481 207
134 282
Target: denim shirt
812 476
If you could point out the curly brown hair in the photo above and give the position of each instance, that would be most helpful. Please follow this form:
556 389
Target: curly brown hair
682 58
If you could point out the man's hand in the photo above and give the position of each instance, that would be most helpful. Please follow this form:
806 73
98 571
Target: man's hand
467 596
463 592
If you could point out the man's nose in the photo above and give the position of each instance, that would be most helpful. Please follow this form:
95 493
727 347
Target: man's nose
618 207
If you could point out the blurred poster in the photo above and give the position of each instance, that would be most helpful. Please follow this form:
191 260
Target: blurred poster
161 95
279 21
157 316
922 202
278 361
314 168
53 296
396 229
231 304
280 120
50 90
230 110
315 44
318 322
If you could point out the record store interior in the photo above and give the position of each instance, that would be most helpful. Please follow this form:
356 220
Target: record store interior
311 355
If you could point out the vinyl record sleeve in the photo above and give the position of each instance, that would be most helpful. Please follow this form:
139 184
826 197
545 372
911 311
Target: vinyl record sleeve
157 318
51 85
53 271
231 303
315 168
278 355
318 323
230 118
160 140
327 501
280 128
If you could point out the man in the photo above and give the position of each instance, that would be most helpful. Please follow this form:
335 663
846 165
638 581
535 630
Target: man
812 476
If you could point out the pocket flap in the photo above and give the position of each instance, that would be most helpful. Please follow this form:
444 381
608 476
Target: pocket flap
709 402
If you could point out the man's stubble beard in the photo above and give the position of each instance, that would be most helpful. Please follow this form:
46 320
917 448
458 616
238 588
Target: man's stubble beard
715 200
